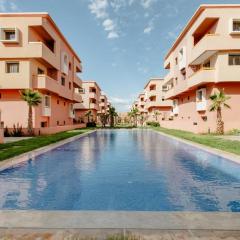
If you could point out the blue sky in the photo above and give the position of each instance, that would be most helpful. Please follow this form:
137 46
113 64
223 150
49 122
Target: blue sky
122 43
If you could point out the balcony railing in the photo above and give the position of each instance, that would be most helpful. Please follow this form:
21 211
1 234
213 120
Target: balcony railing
47 83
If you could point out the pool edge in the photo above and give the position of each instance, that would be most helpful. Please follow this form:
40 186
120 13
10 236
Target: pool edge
120 220
10 162
227 155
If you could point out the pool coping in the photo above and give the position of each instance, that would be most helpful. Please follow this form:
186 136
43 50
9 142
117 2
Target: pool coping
229 156
10 162
119 220
31 219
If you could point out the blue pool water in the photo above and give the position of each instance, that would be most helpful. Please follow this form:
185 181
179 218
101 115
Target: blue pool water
123 170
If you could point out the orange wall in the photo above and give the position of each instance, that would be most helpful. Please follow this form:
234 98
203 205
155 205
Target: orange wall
188 115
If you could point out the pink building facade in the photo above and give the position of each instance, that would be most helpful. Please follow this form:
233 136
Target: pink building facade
90 94
35 55
205 59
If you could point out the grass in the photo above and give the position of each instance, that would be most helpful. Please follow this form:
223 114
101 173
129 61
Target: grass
207 140
8 150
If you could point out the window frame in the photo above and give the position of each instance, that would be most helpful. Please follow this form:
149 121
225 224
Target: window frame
8 67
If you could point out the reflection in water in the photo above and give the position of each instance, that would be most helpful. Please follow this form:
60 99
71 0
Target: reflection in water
123 170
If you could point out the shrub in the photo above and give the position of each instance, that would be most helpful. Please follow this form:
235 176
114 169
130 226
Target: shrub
6 132
91 124
234 132
153 124
17 131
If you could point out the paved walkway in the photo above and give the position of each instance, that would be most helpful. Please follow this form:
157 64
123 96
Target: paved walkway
14 139
233 138
85 234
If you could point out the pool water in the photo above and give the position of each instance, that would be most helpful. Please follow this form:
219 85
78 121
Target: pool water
135 170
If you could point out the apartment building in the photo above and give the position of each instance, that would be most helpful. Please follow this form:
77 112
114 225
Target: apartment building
34 54
91 93
1 130
157 108
141 104
205 58
103 104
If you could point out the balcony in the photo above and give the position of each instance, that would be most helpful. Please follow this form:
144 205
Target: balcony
169 93
92 95
201 106
44 82
175 110
77 82
209 45
46 111
93 106
40 50
102 104
168 77
77 98
205 75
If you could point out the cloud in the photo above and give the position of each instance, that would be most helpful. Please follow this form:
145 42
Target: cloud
173 34
147 3
108 25
148 29
122 104
99 8
8 6
113 35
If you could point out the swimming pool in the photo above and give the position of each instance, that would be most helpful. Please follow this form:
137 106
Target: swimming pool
135 170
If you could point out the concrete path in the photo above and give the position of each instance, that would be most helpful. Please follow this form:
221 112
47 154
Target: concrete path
14 139
134 234
233 138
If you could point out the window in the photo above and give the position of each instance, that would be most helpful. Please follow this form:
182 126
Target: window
10 35
69 85
176 60
103 100
12 67
236 25
81 90
47 101
40 71
207 64
63 81
200 96
234 59
43 124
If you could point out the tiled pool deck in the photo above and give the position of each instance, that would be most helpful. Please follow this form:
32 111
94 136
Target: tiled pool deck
148 225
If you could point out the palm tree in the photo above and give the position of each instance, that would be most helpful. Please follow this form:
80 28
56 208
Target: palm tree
133 114
88 115
103 118
156 114
33 99
112 114
218 102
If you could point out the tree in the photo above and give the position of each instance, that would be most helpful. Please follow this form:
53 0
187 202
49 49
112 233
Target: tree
88 115
33 99
103 119
218 102
112 114
134 114
156 114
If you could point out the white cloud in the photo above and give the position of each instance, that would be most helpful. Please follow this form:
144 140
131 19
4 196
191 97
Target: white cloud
113 35
99 8
108 25
147 3
148 29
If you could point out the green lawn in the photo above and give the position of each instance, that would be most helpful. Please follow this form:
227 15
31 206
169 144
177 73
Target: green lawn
9 150
208 140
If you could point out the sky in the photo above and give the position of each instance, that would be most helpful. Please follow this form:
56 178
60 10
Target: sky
121 43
